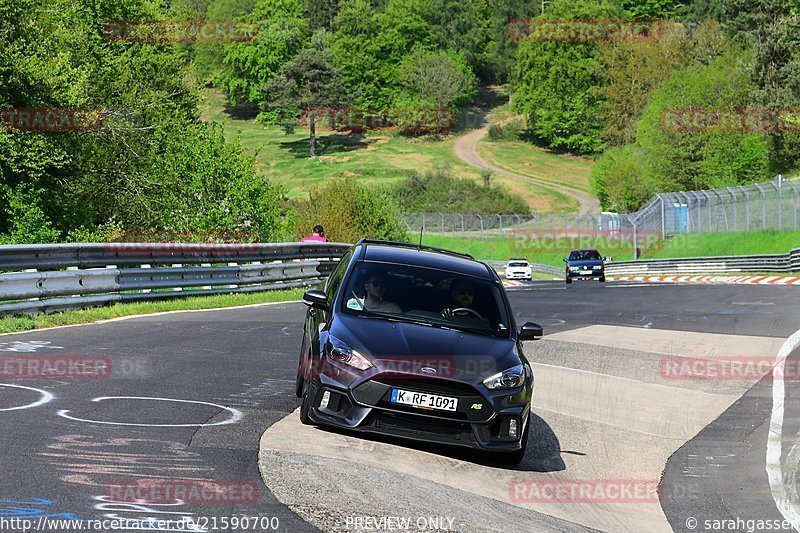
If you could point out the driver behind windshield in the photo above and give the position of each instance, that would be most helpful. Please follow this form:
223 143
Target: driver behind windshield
462 296
374 290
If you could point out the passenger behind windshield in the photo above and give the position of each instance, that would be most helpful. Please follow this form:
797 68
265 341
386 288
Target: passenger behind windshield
372 299
584 255
462 298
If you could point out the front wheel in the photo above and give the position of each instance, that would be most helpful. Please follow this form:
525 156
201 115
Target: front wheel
602 279
568 280
305 405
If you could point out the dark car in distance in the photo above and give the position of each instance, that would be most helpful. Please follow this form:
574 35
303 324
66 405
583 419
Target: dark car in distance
419 343
585 264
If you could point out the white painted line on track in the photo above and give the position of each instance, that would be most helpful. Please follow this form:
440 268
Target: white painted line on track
46 397
780 492
236 415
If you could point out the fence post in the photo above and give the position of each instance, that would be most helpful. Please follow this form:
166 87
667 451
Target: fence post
442 224
780 207
733 204
635 241
708 208
746 209
763 206
463 235
500 217
794 190
480 218
663 219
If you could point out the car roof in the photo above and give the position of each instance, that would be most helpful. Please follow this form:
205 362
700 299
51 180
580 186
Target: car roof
426 256
585 250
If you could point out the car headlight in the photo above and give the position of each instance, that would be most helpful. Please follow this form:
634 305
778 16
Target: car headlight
342 353
507 379
598 267
574 268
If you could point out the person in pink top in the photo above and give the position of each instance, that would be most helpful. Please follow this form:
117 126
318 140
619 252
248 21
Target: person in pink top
318 235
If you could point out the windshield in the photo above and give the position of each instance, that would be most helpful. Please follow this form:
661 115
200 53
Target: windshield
584 255
433 297
518 264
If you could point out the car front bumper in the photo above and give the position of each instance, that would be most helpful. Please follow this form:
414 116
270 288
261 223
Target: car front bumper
365 409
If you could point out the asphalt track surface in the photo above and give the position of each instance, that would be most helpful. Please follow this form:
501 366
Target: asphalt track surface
605 412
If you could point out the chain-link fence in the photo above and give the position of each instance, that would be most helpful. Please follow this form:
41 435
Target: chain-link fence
759 206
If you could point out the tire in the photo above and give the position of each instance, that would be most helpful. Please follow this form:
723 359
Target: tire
305 405
299 381
568 280
602 279
515 458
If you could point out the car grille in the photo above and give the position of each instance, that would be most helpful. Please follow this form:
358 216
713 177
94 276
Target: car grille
422 427
431 385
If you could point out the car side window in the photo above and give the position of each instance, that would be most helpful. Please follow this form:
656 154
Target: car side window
335 279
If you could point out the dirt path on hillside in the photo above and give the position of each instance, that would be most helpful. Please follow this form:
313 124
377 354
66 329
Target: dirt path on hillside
465 149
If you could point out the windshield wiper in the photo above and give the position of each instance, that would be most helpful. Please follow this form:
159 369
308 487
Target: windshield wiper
424 322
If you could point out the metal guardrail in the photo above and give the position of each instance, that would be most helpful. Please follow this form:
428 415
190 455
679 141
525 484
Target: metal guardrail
56 277
789 262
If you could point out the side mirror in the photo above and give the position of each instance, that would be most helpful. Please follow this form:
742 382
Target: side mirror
530 332
565 259
316 298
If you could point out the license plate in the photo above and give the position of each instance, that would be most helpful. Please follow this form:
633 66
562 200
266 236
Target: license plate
424 400
586 271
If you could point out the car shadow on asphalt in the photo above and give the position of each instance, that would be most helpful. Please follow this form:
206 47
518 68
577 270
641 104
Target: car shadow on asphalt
543 453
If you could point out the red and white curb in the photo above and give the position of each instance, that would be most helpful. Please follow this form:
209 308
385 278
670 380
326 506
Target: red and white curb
736 280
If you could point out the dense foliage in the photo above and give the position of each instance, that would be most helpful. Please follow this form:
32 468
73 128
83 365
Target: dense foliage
439 192
350 211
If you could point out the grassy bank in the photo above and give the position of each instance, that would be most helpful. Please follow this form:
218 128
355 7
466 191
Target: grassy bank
24 323
551 252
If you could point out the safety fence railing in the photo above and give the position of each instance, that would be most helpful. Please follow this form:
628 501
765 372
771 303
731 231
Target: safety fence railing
55 277
778 263
755 207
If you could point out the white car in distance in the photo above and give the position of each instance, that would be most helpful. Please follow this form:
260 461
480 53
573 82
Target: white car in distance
518 268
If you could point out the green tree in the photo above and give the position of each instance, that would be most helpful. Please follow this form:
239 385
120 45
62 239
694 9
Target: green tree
249 66
694 160
310 82
771 28
438 79
555 83
631 71
350 211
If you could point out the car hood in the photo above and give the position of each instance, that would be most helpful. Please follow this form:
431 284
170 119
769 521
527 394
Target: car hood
394 346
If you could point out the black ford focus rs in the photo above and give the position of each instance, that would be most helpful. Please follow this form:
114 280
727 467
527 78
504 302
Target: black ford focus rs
420 343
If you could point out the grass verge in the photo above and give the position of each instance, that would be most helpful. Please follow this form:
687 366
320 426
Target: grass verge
552 251
82 316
